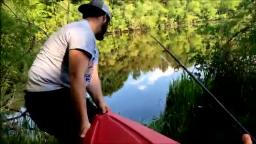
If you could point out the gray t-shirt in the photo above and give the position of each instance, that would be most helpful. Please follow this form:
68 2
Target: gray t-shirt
49 71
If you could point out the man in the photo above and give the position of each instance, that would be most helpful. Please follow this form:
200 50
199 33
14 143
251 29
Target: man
64 71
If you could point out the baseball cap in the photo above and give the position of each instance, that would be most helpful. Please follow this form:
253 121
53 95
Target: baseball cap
95 5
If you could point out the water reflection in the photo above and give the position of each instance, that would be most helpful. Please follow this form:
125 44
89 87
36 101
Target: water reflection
127 54
136 73
143 98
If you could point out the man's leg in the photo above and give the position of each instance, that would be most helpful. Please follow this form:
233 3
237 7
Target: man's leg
54 113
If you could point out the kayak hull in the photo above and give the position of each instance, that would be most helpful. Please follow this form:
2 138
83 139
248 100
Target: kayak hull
111 128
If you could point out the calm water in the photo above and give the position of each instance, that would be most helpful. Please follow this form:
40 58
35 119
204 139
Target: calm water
136 74
143 99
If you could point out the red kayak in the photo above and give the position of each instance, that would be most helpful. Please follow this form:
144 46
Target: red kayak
111 128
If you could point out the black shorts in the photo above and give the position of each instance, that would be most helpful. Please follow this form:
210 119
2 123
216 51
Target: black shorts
54 113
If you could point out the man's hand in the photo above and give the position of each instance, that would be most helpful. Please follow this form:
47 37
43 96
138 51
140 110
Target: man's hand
104 107
84 129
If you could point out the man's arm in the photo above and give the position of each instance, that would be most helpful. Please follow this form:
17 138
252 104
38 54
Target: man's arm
78 64
95 90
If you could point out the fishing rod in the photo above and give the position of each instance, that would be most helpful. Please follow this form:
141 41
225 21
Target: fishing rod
205 89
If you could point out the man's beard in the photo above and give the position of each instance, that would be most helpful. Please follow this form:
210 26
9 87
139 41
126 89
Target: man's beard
100 35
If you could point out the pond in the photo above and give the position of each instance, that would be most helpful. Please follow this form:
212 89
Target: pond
136 74
143 99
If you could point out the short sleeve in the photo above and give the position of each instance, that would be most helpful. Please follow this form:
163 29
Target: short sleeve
78 38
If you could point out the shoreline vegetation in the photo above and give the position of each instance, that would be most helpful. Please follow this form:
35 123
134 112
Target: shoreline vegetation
218 37
229 72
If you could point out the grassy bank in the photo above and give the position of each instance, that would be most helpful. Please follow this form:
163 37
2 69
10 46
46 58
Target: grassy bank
228 60
183 98
191 116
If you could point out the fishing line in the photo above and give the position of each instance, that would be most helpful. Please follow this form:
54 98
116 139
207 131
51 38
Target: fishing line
205 89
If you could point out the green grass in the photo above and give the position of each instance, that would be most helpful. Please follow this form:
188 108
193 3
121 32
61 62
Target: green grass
183 97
